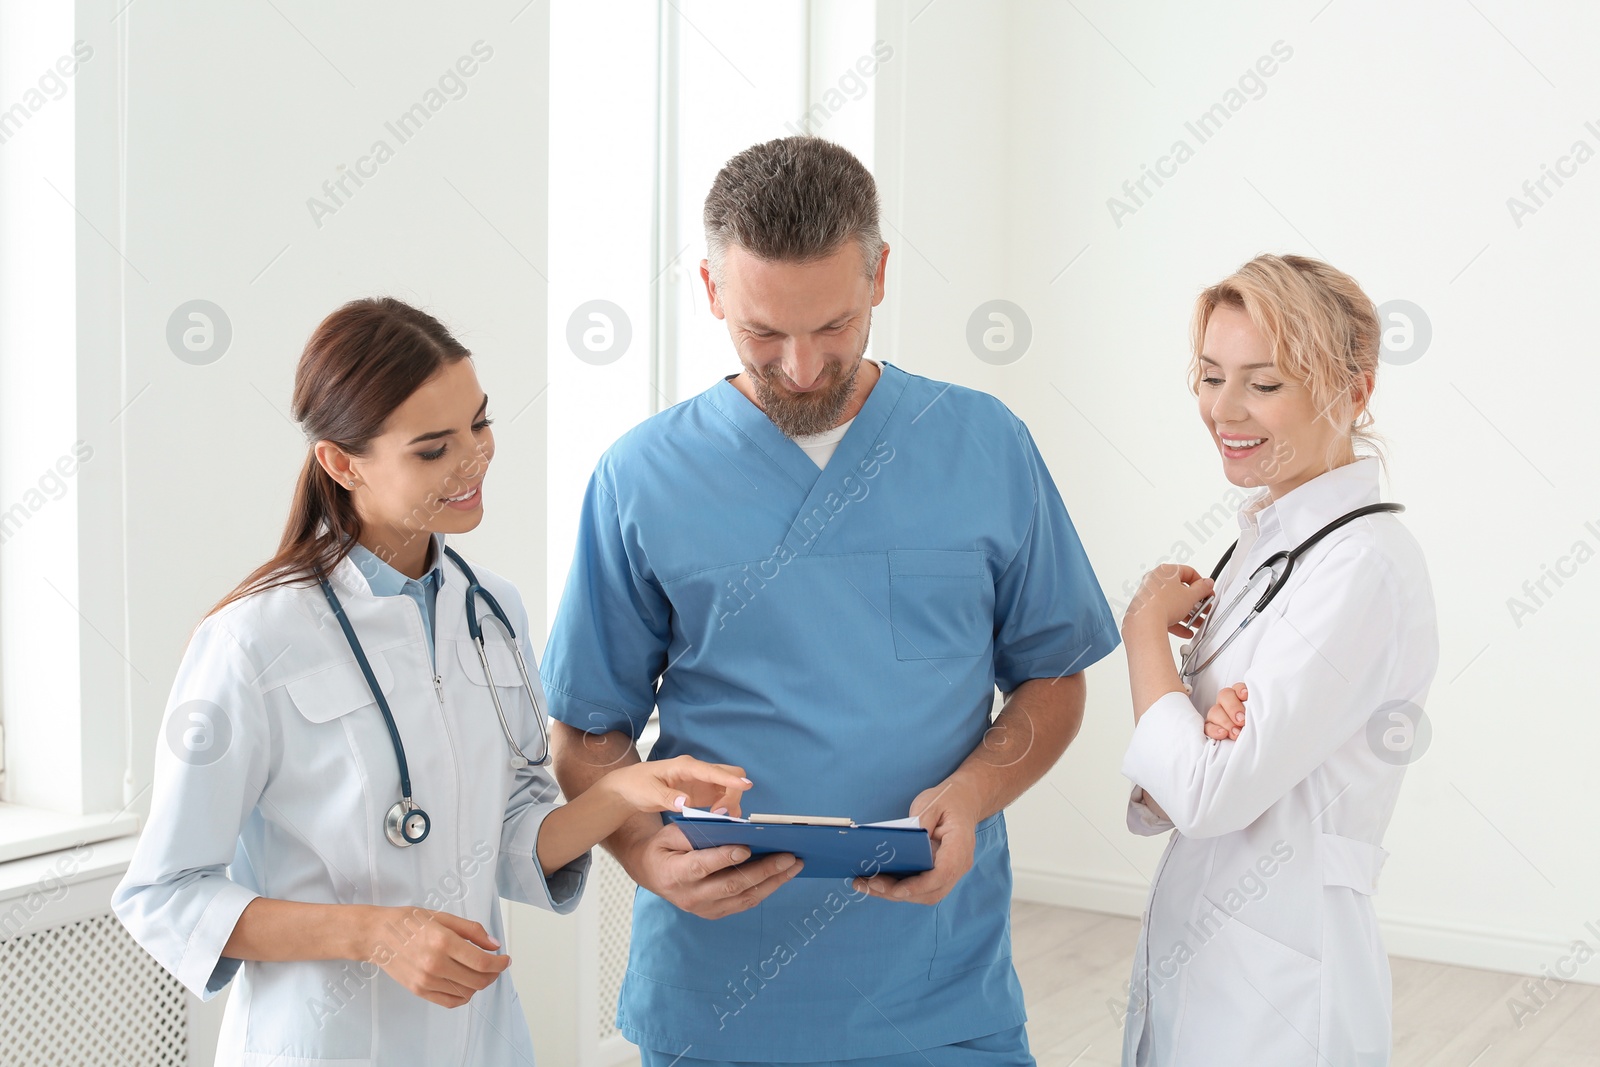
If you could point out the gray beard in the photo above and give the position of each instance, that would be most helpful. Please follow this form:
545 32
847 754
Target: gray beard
804 414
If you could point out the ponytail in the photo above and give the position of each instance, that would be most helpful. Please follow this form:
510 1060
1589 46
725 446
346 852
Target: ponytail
322 522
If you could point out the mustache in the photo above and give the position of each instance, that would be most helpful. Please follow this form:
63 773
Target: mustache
774 375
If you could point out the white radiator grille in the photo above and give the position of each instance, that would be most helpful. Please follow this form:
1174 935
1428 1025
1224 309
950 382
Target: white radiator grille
85 993
615 890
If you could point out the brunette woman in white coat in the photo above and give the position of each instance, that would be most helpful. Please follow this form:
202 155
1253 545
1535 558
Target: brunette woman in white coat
269 858
1259 943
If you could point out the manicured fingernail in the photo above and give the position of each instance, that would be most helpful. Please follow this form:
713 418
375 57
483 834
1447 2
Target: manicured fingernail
902 893
679 802
746 781
720 811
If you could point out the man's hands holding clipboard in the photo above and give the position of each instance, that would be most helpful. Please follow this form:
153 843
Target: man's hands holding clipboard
948 811
723 879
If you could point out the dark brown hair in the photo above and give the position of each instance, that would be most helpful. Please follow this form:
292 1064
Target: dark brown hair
360 364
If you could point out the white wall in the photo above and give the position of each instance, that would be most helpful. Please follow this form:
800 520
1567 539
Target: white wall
1387 143
236 118
940 167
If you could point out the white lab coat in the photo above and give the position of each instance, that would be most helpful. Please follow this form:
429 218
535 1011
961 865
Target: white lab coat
1259 943
284 796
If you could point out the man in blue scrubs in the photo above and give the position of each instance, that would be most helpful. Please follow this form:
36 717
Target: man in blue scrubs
820 569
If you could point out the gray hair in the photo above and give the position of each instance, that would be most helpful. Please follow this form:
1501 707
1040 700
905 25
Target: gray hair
793 200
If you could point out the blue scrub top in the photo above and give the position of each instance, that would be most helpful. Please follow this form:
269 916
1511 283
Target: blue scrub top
385 580
839 634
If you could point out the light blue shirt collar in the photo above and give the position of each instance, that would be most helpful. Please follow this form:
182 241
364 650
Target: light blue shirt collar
384 580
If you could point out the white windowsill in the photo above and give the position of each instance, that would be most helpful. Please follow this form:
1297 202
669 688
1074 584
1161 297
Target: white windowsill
26 832
50 890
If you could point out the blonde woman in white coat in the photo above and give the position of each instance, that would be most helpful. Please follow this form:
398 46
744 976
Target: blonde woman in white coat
266 860
1259 943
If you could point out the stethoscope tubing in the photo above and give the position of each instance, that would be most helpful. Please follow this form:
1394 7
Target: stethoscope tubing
372 683
1189 669
520 758
396 826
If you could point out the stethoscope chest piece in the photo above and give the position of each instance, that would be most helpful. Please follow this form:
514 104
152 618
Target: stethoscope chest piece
406 824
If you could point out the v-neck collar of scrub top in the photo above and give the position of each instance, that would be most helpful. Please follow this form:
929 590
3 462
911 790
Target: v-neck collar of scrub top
1307 508
759 428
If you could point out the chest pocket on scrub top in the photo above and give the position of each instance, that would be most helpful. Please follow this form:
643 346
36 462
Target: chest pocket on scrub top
941 603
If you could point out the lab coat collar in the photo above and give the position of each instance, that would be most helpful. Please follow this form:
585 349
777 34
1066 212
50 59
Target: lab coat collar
1308 508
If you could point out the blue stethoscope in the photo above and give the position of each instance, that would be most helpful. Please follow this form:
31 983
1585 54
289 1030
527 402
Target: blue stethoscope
405 823
1277 567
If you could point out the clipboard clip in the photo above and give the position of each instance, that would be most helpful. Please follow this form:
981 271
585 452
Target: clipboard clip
803 820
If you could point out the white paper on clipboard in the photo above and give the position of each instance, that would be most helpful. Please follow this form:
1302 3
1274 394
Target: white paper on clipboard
909 823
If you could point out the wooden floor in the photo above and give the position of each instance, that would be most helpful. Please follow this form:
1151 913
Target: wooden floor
1072 962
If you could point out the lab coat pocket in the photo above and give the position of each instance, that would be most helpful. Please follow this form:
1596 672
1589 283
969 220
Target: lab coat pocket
1254 997
941 603
507 692
331 692
973 922
309 1013
321 790
278 1059
502 662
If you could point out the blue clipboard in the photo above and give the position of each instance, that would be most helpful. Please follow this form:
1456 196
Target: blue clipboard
828 851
